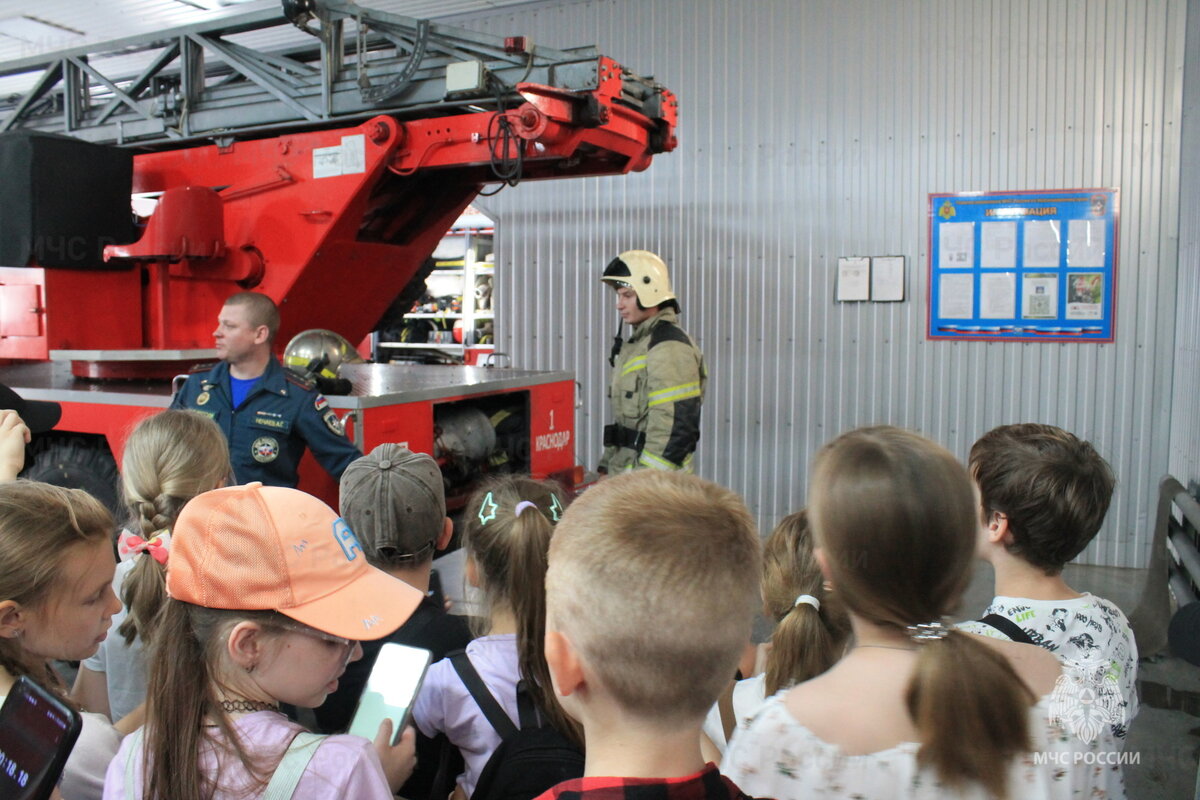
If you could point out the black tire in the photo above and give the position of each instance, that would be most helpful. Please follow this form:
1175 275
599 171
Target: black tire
76 461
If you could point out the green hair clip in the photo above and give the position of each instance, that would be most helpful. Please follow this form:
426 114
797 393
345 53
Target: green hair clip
487 509
556 508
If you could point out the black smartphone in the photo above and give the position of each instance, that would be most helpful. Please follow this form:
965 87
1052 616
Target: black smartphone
37 732
391 688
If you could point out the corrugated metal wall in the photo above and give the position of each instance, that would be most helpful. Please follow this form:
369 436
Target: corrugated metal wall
812 130
1185 403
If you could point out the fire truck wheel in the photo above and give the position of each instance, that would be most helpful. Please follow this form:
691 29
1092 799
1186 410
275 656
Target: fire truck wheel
76 462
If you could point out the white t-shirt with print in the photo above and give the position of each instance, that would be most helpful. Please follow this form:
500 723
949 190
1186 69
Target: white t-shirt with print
1088 633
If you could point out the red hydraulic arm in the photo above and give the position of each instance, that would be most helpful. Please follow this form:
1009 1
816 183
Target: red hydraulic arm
334 250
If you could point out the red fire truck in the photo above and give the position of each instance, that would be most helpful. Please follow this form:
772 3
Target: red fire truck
317 155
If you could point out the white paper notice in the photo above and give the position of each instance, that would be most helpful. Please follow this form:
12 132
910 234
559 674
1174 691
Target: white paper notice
354 154
327 162
348 158
1039 296
956 296
1085 295
887 279
998 295
956 245
1085 243
998 245
1042 239
854 279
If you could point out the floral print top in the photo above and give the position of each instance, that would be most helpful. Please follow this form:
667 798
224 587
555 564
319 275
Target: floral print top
780 758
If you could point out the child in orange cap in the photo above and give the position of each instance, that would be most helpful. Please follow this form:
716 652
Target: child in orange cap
270 594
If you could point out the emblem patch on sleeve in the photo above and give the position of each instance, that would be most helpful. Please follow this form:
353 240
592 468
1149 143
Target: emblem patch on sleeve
333 422
265 449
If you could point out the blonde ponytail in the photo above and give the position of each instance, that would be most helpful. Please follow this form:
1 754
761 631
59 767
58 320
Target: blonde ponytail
808 639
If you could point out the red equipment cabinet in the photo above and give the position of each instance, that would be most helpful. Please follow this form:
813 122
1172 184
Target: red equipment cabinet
319 176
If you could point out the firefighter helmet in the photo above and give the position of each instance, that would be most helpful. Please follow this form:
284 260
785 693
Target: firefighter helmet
643 272
320 352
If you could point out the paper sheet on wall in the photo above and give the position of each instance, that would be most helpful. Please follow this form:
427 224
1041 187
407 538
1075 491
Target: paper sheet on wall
1085 243
998 295
998 244
887 279
956 245
1039 296
1085 295
1042 240
854 279
956 296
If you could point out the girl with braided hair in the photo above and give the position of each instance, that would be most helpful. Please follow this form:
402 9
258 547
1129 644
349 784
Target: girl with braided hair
169 459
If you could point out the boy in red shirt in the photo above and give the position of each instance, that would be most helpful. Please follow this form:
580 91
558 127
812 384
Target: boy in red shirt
650 594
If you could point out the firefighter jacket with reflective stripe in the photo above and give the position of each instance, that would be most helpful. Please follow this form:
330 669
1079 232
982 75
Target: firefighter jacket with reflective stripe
657 388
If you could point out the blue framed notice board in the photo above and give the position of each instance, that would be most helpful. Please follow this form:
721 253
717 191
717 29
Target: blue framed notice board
1023 266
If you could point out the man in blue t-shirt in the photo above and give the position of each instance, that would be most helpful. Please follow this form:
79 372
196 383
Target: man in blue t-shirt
268 413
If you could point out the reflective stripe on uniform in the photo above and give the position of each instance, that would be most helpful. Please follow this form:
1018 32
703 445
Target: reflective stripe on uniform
635 363
654 462
674 393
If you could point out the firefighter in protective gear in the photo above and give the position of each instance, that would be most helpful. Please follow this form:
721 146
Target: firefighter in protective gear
658 374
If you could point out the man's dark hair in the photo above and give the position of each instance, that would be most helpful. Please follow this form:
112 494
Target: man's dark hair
1053 487
260 309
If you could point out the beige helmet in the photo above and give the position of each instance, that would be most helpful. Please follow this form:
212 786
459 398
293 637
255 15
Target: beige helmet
320 352
643 272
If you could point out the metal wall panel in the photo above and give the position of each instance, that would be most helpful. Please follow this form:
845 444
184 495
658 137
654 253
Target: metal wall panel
1185 403
812 130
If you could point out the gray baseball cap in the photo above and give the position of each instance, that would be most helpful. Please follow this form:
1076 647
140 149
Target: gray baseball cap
395 502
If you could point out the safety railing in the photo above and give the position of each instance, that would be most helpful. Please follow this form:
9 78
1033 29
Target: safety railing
1174 565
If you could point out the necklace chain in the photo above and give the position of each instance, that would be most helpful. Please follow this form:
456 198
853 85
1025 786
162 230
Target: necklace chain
246 706
887 647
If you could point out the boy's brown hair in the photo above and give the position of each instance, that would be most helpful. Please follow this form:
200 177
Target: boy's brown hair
1053 487
654 578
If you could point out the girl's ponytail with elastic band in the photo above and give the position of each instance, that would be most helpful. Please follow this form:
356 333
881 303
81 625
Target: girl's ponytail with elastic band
807 600
810 631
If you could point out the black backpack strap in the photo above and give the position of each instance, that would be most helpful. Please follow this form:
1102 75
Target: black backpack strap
491 708
1009 628
526 711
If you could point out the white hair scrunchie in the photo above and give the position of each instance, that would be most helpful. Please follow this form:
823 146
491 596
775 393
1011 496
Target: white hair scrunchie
807 600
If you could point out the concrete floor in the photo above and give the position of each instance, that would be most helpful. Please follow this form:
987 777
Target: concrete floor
1166 739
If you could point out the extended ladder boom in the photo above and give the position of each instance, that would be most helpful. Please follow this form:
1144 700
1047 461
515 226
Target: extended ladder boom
318 63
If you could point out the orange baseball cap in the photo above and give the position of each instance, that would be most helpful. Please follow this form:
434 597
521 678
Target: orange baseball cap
256 547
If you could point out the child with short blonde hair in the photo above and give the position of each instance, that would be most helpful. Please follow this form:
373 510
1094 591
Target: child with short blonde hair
651 591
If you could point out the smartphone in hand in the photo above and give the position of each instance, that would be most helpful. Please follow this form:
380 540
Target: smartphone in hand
37 732
391 689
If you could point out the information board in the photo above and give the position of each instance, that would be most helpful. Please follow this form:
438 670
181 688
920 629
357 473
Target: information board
1023 266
